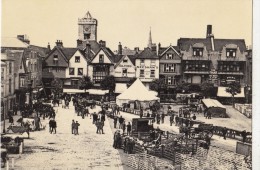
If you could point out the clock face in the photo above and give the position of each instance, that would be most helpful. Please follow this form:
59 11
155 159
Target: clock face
87 28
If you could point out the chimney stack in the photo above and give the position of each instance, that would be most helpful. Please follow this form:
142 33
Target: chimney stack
209 31
102 43
137 49
120 51
79 44
59 43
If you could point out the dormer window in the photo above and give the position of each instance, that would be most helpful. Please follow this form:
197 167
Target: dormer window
55 59
198 52
169 56
77 59
231 52
101 58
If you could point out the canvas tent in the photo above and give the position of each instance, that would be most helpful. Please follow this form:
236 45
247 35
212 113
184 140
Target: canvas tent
136 92
214 107
223 93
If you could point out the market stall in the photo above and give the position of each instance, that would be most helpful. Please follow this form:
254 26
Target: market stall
214 107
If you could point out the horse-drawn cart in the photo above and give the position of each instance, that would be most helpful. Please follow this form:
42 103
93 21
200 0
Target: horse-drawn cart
141 127
202 131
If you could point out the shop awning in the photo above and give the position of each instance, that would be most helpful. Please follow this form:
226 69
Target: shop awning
222 93
212 103
72 91
120 87
90 91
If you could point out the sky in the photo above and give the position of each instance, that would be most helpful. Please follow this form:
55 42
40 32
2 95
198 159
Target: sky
127 21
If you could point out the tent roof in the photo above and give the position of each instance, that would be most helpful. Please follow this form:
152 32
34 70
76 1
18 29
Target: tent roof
137 91
120 87
212 103
223 93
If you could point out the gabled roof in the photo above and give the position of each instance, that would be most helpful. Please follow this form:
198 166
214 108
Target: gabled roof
185 43
128 51
41 50
121 59
107 52
12 42
220 43
174 48
68 52
117 58
94 45
132 58
147 53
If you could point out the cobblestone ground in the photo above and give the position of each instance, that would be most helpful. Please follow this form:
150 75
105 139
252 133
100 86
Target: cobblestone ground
63 150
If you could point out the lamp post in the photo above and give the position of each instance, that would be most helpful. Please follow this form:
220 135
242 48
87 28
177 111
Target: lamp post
248 88
3 111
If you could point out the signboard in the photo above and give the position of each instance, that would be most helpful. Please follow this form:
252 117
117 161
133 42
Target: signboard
152 67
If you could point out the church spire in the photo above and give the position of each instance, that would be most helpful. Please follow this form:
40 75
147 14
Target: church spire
150 39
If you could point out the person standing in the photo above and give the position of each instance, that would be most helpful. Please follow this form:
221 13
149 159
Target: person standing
50 125
224 132
72 127
244 135
129 128
163 116
121 120
194 117
115 121
54 126
171 119
124 127
141 113
118 110
76 130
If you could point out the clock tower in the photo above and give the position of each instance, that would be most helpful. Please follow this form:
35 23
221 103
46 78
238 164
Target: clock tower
87 28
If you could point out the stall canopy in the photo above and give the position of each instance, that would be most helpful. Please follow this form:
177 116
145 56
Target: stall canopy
90 91
137 91
120 87
223 93
214 107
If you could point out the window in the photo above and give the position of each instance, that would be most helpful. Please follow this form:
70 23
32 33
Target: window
10 86
169 67
125 60
22 82
169 56
142 61
152 73
77 59
71 71
100 72
170 80
141 73
197 52
55 59
101 58
152 62
10 68
86 36
231 52
80 71
124 72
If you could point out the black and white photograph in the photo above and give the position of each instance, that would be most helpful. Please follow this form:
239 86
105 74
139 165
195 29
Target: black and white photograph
128 85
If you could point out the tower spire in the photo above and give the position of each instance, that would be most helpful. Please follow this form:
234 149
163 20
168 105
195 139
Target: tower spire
150 39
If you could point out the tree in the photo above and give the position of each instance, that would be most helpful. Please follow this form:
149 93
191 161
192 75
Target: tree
108 83
157 85
233 88
207 89
183 87
85 83
56 87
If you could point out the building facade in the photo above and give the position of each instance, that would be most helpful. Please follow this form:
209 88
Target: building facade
170 65
7 83
213 60
147 66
